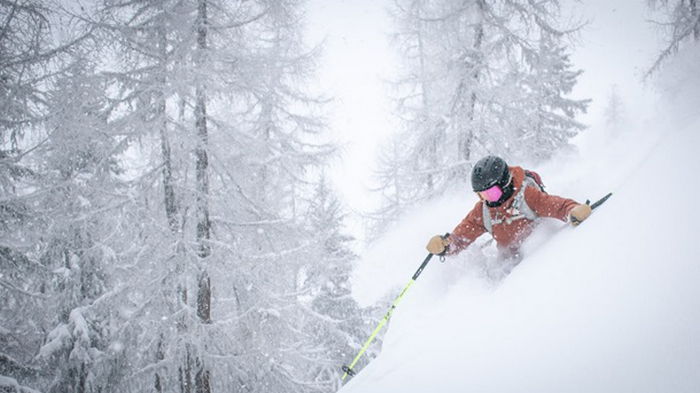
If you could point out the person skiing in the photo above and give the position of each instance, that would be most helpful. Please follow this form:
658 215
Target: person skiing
511 200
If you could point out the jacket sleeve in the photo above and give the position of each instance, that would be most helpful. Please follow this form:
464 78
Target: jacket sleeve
547 205
471 227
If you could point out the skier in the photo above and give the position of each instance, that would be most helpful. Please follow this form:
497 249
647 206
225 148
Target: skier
511 199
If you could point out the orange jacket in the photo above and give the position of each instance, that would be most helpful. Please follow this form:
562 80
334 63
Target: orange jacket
509 236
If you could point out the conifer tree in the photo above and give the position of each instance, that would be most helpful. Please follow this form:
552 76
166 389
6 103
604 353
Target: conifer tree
51 170
682 25
334 318
480 78
162 225
614 112
213 90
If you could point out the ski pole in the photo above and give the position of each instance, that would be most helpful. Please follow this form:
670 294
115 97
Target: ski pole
600 201
594 205
348 370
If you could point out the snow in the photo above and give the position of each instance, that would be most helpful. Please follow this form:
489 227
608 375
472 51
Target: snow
610 306
270 312
80 326
116 347
10 385
57 339
62 271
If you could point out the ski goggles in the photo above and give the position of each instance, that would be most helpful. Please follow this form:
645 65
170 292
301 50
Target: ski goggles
491 194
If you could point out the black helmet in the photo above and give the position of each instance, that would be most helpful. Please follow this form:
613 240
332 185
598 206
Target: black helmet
488 172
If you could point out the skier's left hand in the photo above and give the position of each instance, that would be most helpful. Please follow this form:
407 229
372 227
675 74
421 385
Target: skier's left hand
579 213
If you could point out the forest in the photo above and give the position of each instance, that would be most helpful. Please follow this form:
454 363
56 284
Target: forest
167 223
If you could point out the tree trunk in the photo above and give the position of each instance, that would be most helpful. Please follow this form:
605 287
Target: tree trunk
202 374
695 15
204 298
425 103
185 374
467 134
202 165
168 189
202 160
160 355
167 173
202 379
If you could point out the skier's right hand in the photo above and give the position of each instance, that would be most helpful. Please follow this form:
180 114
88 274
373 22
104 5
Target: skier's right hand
438 245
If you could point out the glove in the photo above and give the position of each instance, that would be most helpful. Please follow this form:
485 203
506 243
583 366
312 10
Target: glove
579 213
438 245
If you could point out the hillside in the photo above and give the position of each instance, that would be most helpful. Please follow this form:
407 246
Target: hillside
611 306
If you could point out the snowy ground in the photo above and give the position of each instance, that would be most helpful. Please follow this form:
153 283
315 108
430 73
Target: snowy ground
611 306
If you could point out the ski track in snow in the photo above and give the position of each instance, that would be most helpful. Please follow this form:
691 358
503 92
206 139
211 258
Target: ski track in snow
611 306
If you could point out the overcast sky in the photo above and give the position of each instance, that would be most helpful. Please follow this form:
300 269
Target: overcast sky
357 61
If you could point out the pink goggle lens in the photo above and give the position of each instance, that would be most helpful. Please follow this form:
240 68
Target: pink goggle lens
492 194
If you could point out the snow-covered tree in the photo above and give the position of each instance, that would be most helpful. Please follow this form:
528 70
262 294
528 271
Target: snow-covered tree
331 314
213 91
78 164
480 77
50 168
395 185
614 111
682 24
158 201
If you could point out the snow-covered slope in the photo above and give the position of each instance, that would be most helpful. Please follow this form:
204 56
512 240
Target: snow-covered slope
611 306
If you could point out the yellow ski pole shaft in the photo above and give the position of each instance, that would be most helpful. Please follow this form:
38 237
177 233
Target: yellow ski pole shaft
349 369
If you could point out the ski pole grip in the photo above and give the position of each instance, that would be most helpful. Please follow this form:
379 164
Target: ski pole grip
426 260
446 247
